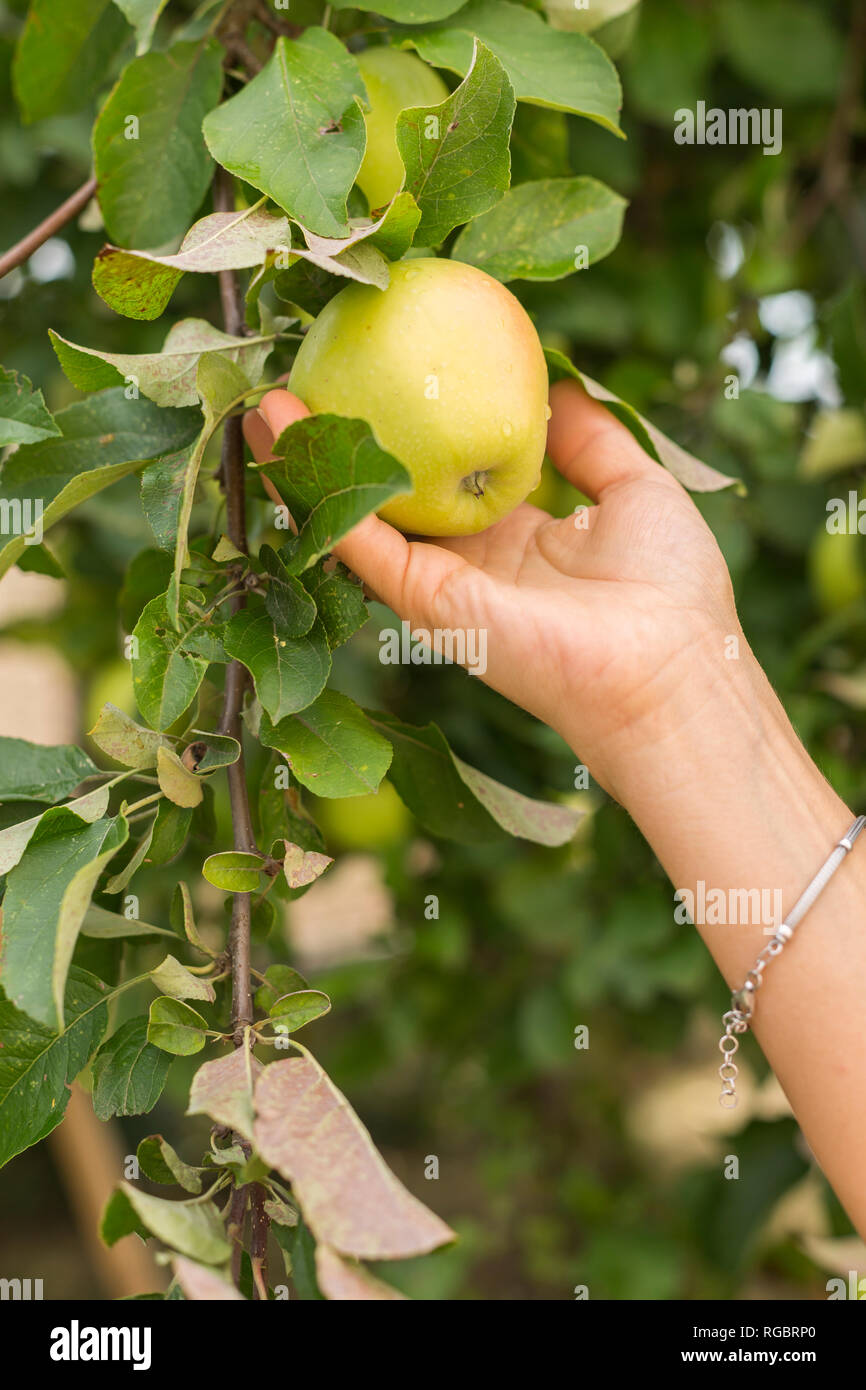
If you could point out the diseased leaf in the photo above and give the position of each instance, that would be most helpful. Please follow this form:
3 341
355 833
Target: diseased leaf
688 470
195 1228
202 1284
167 377
139 284
125 741
331 473
179 784
47 895
171 664
153 177
24 418
463 167
345 1280
211 751
289 672
549 68
350 1199
175 1027
63 53
224 1090
302 867
129 1073
331 747
296 131
159 1162
37 1064
457 801
339 600
539 229
39 772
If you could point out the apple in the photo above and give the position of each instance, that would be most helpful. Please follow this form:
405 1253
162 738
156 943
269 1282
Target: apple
372 821
836 569
611 23
112 685
394 80
446 367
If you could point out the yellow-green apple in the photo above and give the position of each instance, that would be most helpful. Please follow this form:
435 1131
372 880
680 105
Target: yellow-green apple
836 570
610 22
394 80
447 368
371 821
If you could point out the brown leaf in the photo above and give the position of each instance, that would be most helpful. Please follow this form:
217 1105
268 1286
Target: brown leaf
222 1090
340 1279
303 866
350 1199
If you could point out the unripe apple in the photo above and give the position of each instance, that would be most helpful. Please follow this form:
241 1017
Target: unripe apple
610 22
447 368
836 569
394 80
372 821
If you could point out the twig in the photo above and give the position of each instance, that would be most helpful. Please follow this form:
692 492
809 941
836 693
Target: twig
259 1241
24 249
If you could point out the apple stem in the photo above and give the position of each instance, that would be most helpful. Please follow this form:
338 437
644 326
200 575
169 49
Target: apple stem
474 482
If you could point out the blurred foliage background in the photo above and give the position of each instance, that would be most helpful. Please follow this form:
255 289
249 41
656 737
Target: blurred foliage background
454 1037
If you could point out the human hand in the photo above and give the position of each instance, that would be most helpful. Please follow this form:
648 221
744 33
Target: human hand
596 622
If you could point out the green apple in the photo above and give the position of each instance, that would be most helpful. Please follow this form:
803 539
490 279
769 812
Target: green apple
611 23
836 569
447 368
112 685
394 80
374 821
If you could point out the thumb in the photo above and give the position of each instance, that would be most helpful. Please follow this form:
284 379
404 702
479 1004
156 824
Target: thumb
276 411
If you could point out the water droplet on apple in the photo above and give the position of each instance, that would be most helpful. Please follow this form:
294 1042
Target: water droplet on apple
547 412
507 428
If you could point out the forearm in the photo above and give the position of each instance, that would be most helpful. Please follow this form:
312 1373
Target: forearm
725 793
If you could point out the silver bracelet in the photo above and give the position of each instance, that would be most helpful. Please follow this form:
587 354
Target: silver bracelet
741 1012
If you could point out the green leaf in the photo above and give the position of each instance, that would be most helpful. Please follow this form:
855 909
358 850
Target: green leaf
177 782
287 600
129 1073
281 979
125 741
331 747
395 231
24 418
63 53
234 871
566 71
170 830
296 131
223 1089
289 672
38 772
688 470
15 838
167 377
159 1162
103 440
213 751
195 1228
118 881
47 895
139 285
175 1027
457 801
537 229
153 176
307 1130
406 11
339 600
37 1065
456 154
788 48
102 925
142 15
172 978
294 1010
162 492
171 664
331 473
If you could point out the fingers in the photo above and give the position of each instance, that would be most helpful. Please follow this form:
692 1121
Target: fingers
277 410
589 446
409 576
